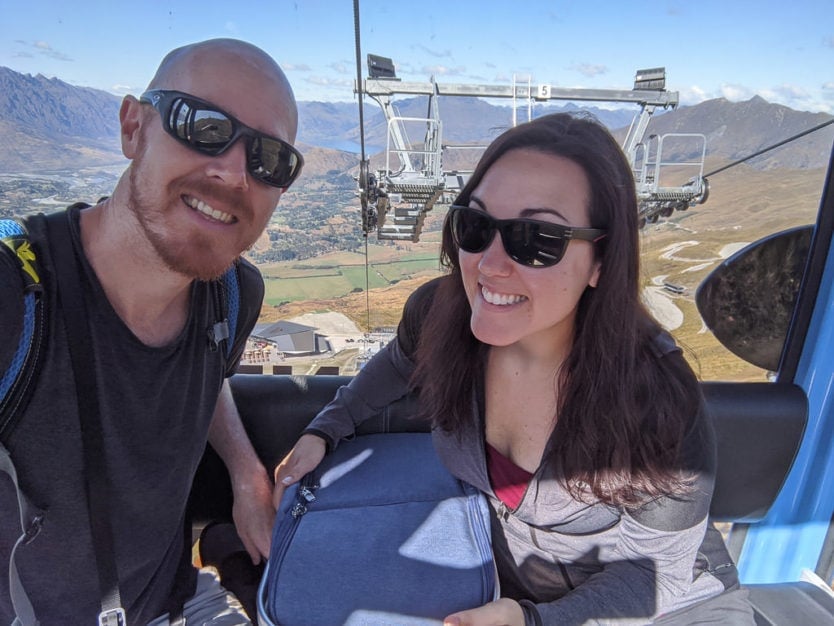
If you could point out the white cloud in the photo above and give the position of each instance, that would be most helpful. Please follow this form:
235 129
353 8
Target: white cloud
694 95
736 93
44 49
790 92
794 97
811 104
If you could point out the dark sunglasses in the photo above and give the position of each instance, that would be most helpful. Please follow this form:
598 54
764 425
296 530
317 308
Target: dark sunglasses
208 130
529 242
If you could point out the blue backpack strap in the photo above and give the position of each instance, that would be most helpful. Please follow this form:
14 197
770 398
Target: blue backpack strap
226 290
232 288
20 374
14 385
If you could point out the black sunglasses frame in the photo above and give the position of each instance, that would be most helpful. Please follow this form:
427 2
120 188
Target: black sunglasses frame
535 246
169 104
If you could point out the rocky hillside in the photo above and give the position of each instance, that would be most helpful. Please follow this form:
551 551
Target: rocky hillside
735 130
47 124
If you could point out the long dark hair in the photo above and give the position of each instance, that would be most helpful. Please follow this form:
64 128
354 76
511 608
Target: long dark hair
624 408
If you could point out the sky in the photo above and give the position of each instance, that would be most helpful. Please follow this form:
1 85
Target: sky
780 50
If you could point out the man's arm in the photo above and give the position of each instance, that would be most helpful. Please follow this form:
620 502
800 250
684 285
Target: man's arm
253 512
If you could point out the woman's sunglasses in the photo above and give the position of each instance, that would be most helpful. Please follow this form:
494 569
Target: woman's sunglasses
203 127
529 242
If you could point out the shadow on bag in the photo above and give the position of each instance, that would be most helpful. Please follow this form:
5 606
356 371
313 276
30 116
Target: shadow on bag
380 533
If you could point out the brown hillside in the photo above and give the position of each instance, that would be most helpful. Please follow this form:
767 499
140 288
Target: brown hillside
745 204
385 305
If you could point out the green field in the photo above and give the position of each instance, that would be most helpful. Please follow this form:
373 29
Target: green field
334 276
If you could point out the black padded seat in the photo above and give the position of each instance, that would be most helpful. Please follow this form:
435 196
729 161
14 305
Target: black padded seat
795 604
758 429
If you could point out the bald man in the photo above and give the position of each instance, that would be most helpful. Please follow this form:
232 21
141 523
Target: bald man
210 150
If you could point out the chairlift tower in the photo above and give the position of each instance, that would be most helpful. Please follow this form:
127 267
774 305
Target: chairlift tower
413 178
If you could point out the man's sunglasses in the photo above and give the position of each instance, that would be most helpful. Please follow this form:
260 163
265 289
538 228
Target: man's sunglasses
203 127
529 242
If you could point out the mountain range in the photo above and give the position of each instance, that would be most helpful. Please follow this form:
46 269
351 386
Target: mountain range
48 125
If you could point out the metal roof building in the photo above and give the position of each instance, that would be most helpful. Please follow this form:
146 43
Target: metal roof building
291 338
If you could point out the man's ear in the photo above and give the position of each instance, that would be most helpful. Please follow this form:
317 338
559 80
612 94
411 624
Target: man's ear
130 120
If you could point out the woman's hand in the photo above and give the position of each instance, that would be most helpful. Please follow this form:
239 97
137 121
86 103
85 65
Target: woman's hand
305 456
502 612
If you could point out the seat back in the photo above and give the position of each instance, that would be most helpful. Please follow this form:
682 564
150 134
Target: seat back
759 427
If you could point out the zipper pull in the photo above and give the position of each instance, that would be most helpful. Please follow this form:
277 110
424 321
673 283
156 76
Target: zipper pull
303 497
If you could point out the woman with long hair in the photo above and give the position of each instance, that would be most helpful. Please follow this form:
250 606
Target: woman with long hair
552 389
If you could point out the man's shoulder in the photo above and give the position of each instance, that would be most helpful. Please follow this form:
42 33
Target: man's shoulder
21 291
13 282
249 273
37 232
251 281
33 225
21 255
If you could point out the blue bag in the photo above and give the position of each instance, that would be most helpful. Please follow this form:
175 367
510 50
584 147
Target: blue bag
380 533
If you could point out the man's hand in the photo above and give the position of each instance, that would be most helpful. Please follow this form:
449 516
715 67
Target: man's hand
502 612
305 456
253 514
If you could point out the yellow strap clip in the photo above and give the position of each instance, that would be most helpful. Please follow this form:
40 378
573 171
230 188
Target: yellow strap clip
22 249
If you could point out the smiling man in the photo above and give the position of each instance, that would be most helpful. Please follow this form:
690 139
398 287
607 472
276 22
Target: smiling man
210 145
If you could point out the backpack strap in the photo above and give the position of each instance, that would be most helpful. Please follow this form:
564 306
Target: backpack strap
231 281
15 388
31 520
16 382
226 290
70 303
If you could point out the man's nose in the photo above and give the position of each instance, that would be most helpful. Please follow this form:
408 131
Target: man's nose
230 166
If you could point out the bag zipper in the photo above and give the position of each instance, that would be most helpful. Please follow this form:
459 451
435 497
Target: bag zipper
287 527
304 495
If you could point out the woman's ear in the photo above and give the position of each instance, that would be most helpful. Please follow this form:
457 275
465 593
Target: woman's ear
594 279
130 120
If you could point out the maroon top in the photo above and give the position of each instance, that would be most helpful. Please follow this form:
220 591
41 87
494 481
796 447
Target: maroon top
509 481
